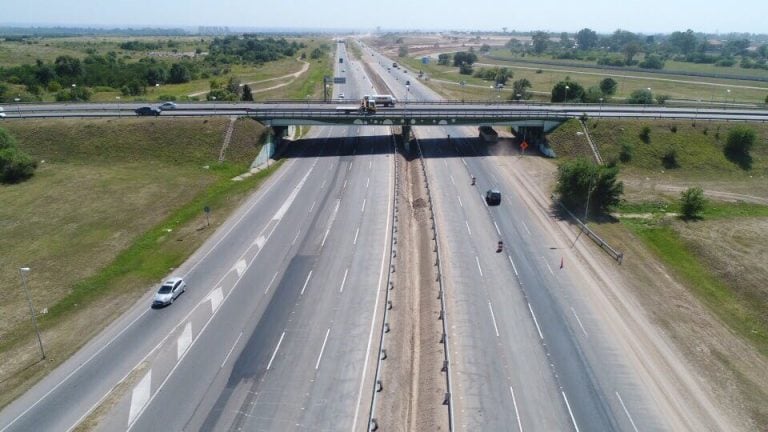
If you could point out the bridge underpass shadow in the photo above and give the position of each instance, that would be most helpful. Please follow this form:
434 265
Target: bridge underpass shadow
334 146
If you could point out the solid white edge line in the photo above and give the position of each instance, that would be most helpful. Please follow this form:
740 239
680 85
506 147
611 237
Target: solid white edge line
343 281
513 264
306 282
376 305
477 259
270 283
322 348
535 321
269 365
570 412
579 321
231 349
517 413
493 318
626 412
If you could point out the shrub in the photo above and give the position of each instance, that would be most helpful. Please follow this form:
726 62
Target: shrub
669 160
692 203
15 165
641 97
673 128
738 145
579 179
626 153
645 134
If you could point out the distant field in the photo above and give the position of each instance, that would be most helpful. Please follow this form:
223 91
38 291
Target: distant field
544 77
113 207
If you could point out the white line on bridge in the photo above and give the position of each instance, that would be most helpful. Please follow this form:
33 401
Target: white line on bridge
493 318
269 365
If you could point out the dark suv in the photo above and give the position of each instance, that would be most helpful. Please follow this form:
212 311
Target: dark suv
147 111
493 197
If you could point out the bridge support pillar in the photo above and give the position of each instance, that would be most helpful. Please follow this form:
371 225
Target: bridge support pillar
406 138
275 138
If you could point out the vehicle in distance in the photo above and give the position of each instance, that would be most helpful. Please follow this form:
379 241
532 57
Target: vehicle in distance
341 60
167 106
383 100
2 114
493 197
394 65
488 134
341 95
367 106
169 291
147 111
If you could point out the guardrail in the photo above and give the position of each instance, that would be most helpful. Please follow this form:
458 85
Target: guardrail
448 400
618 256
377 387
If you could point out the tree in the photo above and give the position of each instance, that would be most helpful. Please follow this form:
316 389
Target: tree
652 61
641 97
444 59
68 68
579 181
247 93
565 41
738 145
683 42
520 89
233 85
630 51
692 203
462 57
540 40
593 95
485 48
15 165
571 90
179 73
316 54
465 69
662 99
586 39
402 51
608 86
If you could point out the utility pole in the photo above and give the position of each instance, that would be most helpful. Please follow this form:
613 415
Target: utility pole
22 272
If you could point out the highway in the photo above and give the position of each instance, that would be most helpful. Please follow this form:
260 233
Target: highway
530 351
278 326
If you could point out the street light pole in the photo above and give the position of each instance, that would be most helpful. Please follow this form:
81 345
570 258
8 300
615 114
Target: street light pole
566 94
18 107
118 106
600 113
22 272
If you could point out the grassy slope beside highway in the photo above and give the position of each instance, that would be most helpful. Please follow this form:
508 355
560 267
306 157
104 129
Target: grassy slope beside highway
720 260
114 205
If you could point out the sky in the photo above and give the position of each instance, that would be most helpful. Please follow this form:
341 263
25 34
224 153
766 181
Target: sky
603 16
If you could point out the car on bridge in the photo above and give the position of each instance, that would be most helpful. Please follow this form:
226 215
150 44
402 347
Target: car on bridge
147 111
169 291
167 106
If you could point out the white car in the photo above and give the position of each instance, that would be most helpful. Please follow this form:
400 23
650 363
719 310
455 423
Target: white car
168 106
2 114
169 291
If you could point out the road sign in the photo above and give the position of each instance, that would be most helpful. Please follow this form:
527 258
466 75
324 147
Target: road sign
523 146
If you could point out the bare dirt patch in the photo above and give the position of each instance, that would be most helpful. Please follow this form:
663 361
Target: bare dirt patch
413 384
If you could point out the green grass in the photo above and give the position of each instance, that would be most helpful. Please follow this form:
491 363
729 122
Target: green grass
713 210
699 148
115 206
742 315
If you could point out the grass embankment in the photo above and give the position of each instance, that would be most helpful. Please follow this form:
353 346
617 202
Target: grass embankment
115 206
699 253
